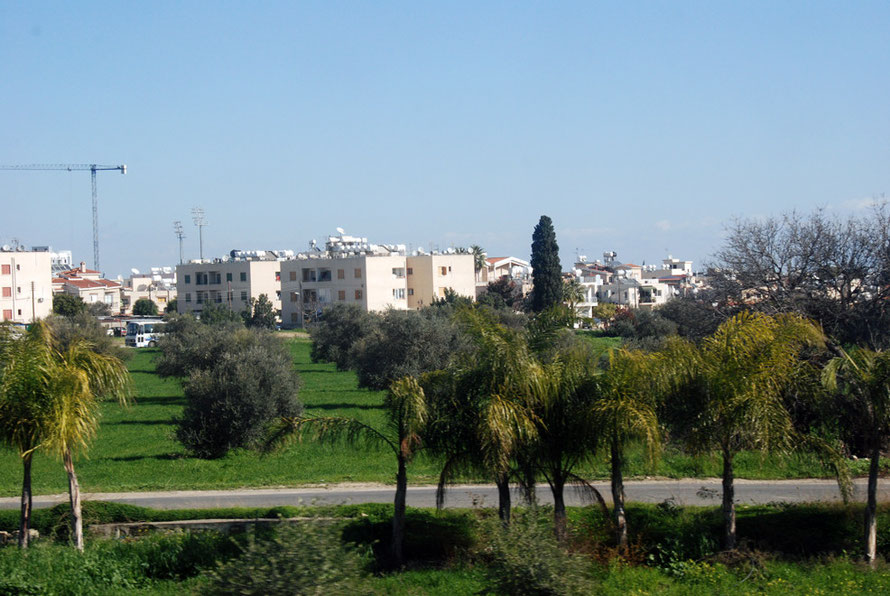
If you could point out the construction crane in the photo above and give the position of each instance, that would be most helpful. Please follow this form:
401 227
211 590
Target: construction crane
93 168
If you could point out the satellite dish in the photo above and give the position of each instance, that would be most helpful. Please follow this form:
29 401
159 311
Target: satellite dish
6 248
341 231
134 271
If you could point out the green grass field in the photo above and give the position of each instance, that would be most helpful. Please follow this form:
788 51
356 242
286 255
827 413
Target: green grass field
135 449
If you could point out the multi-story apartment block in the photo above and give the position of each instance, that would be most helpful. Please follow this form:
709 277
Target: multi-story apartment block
89 286
376 277
429 276
26 290
231 281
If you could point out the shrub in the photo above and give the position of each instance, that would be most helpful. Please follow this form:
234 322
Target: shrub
405 343
67 305
145 307
342 326
305 558
230 404
85 327
525 558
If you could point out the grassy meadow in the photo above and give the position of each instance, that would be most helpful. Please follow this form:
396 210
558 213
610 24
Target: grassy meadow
135 449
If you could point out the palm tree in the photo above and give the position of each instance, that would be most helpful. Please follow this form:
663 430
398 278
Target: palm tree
480 405
25 403
51 399
573 293
624 407
405 405
567 434
478 257
730 391
861 379
78 379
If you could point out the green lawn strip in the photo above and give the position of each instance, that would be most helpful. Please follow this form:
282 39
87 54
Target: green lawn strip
135 449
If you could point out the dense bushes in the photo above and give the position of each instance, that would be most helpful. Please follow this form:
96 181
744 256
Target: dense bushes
230 404
304 558
237 381
382 348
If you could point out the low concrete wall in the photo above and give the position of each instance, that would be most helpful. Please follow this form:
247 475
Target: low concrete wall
225 526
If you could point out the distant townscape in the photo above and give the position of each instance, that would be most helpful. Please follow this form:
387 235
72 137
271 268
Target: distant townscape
300 285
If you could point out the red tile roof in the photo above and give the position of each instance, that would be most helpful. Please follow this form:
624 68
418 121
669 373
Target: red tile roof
91 283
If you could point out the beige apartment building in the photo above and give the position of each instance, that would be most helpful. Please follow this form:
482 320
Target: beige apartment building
232 281
26 289
375 277
429 276
374 282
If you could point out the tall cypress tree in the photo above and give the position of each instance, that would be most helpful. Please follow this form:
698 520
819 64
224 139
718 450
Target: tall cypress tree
546 270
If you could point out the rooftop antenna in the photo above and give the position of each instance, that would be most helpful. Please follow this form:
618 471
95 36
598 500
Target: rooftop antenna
198 218
341 231
177 229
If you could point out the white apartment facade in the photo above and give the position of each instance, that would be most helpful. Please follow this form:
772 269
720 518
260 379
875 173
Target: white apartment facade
26 289
232 281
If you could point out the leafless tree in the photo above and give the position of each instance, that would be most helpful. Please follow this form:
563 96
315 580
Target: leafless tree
834 270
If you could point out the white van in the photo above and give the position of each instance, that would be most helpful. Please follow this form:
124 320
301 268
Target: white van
144 333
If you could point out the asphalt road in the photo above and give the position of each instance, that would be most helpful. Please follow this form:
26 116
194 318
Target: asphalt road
682 492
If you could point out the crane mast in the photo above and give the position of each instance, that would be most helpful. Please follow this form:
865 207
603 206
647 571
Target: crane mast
93 168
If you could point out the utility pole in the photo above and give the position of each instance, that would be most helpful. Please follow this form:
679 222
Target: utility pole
177 229
198 218
93 168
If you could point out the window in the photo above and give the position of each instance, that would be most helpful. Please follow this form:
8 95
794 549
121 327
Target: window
215 277
7 292
410 291
6 270
20 312
278 276
293 276
410 270
309 296
398 293
278 294
109 299
243 276
18 290
341 274
199 297
7 314
358 294
308 274
443 270
201 279
218 297
188 279
358 273
324 275
243 294
188 297
398 272
341 294
228 277
293 296
294 317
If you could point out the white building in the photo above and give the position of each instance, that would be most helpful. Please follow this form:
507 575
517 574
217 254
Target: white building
26 289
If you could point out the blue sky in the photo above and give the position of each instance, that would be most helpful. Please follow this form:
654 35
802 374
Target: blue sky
640 127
